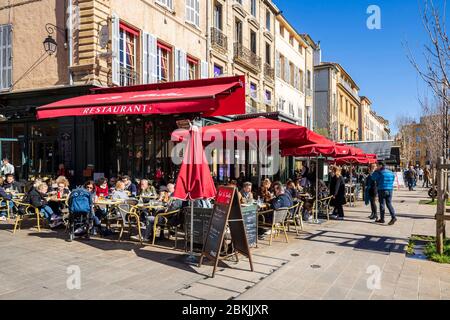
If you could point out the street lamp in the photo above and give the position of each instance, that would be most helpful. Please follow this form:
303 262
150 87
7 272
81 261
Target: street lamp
50 45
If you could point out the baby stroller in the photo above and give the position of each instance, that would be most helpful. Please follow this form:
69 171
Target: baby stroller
80 214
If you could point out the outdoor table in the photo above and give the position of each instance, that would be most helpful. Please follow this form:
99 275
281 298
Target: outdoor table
108 204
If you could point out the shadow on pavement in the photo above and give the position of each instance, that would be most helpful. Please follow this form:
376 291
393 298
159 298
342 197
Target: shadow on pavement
380 244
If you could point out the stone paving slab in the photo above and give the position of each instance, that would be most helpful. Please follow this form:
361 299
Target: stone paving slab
333 260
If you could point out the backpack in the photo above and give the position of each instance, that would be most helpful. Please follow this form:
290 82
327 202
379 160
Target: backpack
80 201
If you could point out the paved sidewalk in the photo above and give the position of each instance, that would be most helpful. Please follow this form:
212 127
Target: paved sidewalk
335 260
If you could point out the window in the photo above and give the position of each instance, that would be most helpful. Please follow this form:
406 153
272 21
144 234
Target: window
253 44
127 55
253 91
300 49
166 3
292 75
282 31
418 140
268 20
417 153
282 67
253 8
5 53
193 12
218 16
268 97
291 40
218 71
268 54
238 31
163 63
308 80
302 81
192 68
291 108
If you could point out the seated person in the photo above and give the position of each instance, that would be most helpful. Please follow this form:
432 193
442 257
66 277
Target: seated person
62 191
282 199
102 188
120 192
291 189
3 198
264 191
246 193
11 185
129 186
112 184
37 198
164 196
146 190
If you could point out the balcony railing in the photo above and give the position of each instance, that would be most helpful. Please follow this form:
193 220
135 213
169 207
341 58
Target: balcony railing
269 72
245 56
128 77
219 39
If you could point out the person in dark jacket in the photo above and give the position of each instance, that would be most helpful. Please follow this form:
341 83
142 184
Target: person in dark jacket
338 195
130 186
411 177
385 185
10 184
37 198
4 197
282 199
370 192
291 189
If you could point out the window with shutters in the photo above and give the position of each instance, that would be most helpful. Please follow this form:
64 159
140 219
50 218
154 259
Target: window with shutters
6 57
166 3
128 56
164 58
282 67
302 81
292 74
193 71
193 12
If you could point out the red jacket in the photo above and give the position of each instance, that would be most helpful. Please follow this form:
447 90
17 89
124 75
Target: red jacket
99 191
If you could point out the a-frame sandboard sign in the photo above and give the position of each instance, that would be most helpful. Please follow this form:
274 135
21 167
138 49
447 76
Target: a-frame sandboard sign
227 210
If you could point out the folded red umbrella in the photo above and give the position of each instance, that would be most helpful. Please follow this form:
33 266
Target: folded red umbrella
194 179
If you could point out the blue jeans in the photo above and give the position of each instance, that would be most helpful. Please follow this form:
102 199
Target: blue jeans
46 212
385 198
11 206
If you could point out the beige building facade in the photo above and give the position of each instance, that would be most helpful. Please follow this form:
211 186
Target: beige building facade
242 42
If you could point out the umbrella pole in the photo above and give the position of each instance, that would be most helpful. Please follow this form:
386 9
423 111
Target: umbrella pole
191 257
317 190
351 184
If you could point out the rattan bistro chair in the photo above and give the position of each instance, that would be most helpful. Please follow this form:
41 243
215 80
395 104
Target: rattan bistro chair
26 210
162 221
128 216
278 224
295 217
325 206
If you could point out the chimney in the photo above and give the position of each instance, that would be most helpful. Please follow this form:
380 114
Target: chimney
317 55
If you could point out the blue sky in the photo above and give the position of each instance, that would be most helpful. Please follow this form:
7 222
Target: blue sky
376 59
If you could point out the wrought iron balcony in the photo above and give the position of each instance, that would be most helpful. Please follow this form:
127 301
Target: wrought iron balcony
269 72
218 39
246 57
128 77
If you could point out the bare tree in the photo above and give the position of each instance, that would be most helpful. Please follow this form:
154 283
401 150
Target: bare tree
435 71
405 137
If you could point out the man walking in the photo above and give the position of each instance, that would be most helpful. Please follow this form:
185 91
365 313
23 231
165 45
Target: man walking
385 184
411 177
426 178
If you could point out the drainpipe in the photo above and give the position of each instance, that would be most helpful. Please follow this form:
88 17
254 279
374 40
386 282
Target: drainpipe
208 36
70 26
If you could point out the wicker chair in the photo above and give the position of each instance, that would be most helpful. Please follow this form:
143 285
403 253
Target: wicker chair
27 211
278 222
164 217
295 217
129 216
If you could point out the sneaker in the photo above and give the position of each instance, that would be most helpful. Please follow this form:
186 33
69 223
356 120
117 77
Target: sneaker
340 218
334 217
267 233
135 238
380 221
393 221
3 218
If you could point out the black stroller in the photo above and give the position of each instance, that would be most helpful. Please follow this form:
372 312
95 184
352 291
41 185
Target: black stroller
80 214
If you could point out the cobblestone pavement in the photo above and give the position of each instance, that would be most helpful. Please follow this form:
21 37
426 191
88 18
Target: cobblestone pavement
351 259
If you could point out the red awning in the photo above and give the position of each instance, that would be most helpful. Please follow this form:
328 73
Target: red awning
289 135
355 160
209 97
317 150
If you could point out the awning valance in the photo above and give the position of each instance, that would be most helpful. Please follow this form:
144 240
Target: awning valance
208 97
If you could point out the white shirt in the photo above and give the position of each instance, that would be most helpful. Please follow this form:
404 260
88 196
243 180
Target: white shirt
8 169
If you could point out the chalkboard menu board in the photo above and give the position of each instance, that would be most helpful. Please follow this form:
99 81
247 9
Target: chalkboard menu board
202 217
227 209
250 215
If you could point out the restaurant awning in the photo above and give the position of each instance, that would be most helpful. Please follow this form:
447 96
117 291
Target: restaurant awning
208 97
319 150
289 135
